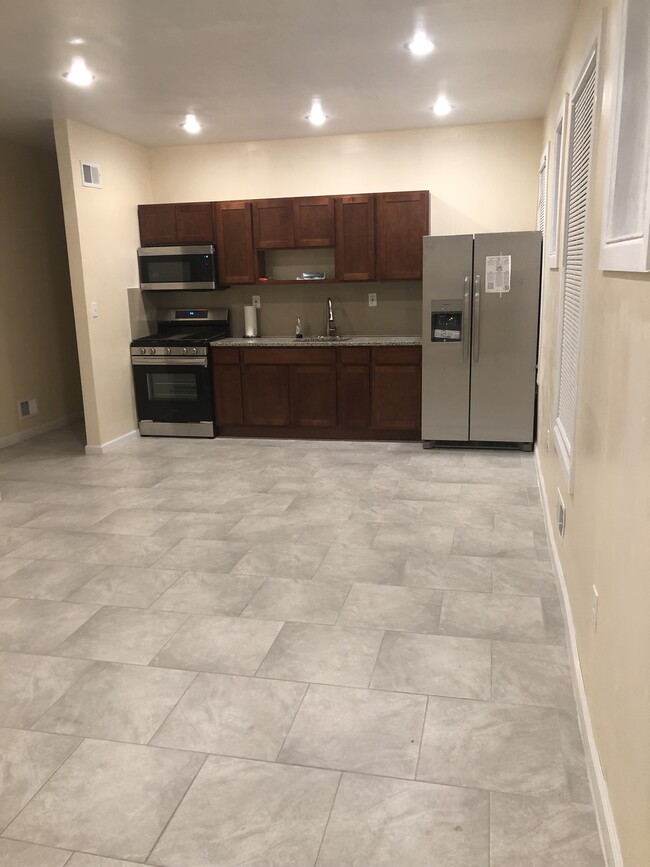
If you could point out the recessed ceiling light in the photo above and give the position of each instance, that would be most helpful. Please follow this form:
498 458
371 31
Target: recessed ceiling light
79 73
76 41
191 124
420 45
441 107
316 116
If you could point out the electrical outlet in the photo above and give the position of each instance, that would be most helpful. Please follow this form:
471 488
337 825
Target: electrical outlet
594 606
256 301
372 299
548 439
94 309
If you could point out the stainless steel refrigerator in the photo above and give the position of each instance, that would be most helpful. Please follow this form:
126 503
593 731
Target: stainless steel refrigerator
479 343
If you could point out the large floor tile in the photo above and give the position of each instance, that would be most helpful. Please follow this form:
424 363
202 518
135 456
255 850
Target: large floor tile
521 517
340 534
411 489
125 586
13 853
447 572
201 555
357 730
485 745
61 545
347 565
404 609
80 859
323 654
241 812
457 515
406 538
11 565
30 684
210 593
195 525
501 494
575 763
48 579
483 542
108 799
226 645
16 539
18 514
116 702
120 550
122 635
523 577
37 626
281 560
66 517
435 664
384 510
484 615
27 760
233 716
303 601
542 833
536 674
131 522
383 823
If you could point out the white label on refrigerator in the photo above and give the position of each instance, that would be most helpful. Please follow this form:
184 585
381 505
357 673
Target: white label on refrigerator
497 273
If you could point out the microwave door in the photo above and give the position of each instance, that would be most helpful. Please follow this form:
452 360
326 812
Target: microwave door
174 268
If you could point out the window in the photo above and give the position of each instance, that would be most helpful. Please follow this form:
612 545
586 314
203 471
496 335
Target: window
552 240
541 193
583 104
626 222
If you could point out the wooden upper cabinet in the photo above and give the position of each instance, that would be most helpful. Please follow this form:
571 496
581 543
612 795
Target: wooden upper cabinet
194 223
157 225
355 237
167 225
313 221
272 223
233 224
402 220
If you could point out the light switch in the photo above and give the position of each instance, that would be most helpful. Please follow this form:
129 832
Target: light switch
94 309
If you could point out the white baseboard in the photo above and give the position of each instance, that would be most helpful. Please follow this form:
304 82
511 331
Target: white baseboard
604 814
30 433
105 447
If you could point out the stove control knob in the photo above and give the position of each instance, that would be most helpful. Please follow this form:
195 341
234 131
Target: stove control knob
152 351
168 351
143 352
184 351
194 350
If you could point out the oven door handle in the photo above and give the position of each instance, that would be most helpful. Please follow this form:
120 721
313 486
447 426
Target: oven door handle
168 361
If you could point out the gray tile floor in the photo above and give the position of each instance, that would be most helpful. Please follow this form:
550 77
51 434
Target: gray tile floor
229 652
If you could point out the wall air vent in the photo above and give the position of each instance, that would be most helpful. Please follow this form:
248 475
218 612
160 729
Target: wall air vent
27 408
90 175
560 514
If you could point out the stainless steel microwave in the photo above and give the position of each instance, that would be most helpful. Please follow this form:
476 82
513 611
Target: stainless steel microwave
178 268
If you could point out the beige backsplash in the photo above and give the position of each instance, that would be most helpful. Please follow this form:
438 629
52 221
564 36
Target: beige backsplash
398 308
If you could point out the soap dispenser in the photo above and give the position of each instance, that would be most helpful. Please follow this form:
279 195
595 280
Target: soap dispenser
298 329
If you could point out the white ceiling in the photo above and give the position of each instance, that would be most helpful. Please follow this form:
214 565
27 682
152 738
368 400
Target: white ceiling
250 68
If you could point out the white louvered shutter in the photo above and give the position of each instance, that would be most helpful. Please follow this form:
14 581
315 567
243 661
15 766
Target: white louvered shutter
541 195
582 123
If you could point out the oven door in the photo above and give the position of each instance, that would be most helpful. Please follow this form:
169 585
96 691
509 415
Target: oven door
175 268
173 398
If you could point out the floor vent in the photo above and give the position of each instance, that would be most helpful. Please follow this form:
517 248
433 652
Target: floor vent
27 408
90 175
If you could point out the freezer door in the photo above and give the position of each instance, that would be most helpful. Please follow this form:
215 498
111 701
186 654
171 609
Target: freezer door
446 300
504 338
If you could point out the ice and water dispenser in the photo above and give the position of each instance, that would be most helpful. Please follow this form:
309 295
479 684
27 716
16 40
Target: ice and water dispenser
446 322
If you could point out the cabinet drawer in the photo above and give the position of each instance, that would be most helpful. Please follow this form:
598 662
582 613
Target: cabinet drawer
397 354
227 355
289 355
354 355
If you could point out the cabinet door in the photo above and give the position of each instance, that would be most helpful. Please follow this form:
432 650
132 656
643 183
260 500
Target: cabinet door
194 223
402 221
226 379
313 221
234 237
266 394
313 395
396 388
355 237
157 225
354 395
273 223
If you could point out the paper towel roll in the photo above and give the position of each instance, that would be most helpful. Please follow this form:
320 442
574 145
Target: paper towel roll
250 321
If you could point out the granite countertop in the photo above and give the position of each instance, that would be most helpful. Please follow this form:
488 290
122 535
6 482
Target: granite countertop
366 340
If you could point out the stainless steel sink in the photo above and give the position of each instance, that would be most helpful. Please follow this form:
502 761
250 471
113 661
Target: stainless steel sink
323 338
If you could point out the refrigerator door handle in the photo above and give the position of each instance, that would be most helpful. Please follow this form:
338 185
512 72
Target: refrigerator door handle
477 317
466 312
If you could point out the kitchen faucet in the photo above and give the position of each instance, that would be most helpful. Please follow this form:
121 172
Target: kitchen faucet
330 328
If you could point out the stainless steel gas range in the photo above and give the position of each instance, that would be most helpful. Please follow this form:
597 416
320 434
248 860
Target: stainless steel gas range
172 375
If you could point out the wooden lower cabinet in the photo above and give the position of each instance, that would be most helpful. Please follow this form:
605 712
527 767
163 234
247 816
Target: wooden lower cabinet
322 392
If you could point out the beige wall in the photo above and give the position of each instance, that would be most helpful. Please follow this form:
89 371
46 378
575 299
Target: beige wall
102 234
38 357
482 179
607 540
